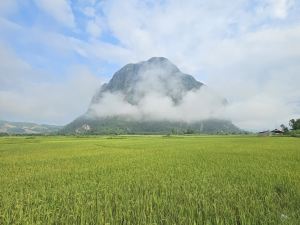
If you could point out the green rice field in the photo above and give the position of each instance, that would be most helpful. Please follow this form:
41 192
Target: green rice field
150 180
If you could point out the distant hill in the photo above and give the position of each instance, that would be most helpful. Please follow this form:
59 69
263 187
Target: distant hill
122 105
26 128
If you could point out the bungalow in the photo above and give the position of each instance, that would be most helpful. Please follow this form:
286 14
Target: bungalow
277 132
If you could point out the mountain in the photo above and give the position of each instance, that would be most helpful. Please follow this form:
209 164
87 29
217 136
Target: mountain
26 128
152 96
157 74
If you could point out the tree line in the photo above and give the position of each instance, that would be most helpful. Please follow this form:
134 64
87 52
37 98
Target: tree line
294 124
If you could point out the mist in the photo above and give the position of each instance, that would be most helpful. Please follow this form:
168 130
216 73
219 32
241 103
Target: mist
194 106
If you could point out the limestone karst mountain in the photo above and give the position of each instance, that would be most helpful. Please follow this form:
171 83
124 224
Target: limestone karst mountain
152 96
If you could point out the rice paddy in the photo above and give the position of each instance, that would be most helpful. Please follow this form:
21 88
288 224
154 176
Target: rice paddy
150 180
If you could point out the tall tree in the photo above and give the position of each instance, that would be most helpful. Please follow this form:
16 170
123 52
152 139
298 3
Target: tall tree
295 124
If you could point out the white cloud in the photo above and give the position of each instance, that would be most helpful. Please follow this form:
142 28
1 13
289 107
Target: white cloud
27 94
194 106
94 28
280 7
12 69
63 45
259 74
60 10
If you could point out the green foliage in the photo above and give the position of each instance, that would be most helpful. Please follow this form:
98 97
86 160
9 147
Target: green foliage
149 180
295 124
189 131
294 133
118 125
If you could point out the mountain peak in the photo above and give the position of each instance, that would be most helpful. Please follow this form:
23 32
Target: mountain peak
156 75
160 63
158 59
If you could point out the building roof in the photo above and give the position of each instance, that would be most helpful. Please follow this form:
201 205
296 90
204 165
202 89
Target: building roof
276 131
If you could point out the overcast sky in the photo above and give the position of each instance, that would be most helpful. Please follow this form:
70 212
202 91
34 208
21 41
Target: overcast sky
54 54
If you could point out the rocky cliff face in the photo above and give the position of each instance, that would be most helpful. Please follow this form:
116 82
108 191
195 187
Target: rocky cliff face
156 75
